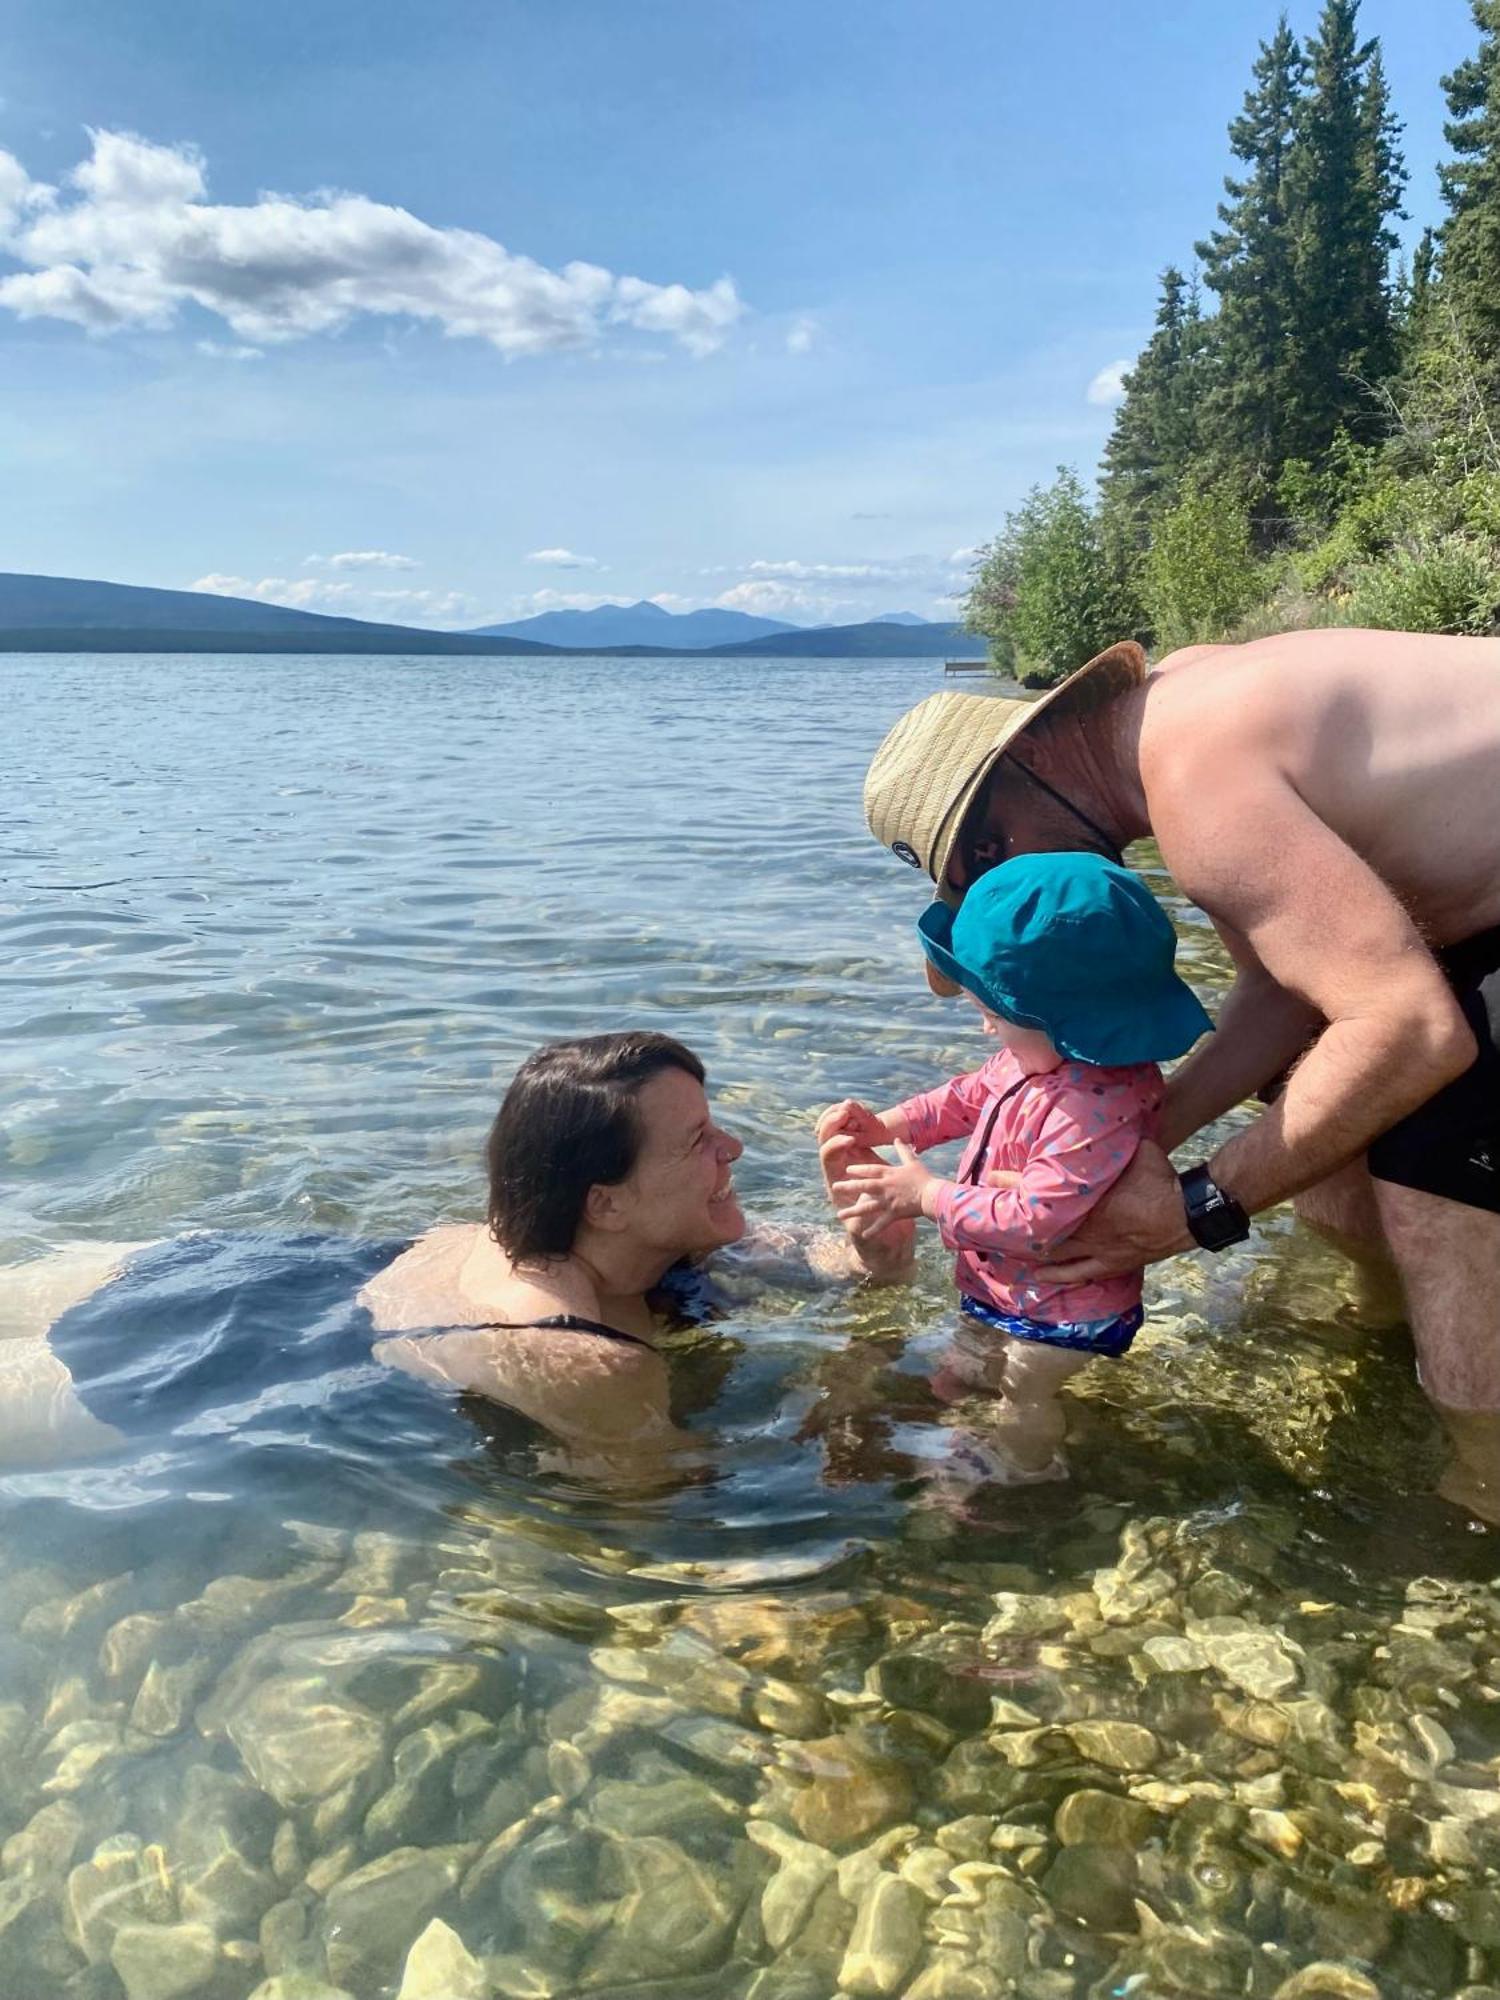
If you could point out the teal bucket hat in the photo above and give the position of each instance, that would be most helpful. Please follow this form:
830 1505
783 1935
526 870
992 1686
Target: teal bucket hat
1074 945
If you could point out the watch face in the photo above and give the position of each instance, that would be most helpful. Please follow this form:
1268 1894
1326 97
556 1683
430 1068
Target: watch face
1213 1218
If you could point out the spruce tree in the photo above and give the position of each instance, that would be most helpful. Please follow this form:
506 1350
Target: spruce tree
1346 180
1251 263
1471 188
1155 435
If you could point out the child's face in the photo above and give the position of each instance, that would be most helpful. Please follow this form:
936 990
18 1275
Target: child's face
1031 1048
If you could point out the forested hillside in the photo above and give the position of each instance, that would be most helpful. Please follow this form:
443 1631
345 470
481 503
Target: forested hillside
1312 433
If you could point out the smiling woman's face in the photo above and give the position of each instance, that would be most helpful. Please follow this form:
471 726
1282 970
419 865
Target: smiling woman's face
681 1190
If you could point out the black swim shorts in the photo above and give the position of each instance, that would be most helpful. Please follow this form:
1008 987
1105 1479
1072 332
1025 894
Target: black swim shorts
1450 1145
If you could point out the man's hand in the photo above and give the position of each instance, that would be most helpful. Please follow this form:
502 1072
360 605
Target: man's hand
853 1120
1140 1221
886 1254
873 1194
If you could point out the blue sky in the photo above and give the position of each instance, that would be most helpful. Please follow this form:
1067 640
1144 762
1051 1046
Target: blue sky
449 314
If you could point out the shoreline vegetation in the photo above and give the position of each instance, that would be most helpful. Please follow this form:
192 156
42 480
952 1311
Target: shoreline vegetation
1323 448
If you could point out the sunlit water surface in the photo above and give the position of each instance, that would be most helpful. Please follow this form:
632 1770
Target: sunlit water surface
391 1701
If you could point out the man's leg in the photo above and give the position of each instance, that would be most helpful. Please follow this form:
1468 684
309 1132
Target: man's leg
1344 1211
1448 1255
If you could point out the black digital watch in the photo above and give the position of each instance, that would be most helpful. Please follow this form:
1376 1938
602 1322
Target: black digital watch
1215 1219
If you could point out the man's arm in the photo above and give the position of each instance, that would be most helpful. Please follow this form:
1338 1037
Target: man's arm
1329 933
1261 1029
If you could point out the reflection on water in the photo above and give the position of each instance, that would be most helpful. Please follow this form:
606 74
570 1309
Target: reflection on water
393 1702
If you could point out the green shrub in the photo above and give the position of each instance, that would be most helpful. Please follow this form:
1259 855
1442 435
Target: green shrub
1200 574
1287 607
1045 588
1441 583
1368 528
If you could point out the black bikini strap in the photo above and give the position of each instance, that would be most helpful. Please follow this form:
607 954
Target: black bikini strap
565 1323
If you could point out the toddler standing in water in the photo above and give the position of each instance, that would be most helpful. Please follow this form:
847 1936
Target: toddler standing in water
1069 960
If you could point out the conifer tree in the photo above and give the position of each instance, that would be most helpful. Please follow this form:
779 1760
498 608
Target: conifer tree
1251 263
1155 434
1346 181
1471 187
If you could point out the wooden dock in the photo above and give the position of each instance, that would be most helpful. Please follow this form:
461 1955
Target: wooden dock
966 666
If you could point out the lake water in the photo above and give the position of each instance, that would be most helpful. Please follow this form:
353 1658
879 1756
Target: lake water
361 1697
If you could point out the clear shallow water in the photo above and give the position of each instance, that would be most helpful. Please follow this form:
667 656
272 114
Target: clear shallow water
273 934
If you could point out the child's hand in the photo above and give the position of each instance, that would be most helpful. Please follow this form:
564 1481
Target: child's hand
886 1255
872 1195
855 1121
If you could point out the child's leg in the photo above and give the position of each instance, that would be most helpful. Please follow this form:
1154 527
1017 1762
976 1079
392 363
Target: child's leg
1030 1423
974 1362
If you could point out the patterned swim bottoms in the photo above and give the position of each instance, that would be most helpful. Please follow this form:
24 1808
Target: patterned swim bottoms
1110 1337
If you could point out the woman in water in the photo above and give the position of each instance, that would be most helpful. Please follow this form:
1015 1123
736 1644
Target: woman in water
610 1183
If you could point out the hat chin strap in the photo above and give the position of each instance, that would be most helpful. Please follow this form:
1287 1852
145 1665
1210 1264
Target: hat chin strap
1112 847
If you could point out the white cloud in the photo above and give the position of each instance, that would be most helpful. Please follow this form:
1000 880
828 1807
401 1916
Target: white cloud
361 559
562 559
806 572
224 350
135 238
802 336
792 587
1108 386
347 600
563 600
768 599
671 600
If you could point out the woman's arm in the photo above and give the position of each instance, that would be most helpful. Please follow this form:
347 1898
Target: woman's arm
605 1402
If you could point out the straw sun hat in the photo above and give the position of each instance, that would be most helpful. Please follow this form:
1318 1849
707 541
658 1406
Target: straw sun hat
932 766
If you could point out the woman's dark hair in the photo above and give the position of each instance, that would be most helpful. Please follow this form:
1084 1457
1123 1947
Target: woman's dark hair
569 1123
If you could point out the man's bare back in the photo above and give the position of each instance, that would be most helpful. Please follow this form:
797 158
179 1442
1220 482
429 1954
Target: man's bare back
1392 740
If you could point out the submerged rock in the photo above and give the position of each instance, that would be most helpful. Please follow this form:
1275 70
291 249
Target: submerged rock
301 1742
1103 1819
682 1805
371 1915
1262 1664
125 1882
949 1976
674 1916
1327 1981
440 1966
1093 1885
803 1870
886 1940
1018 1616
41 1850
1121 1746
166 1696
851 1793
299 1986
164 1961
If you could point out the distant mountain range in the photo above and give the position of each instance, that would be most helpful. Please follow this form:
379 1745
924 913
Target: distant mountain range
647 624
77 614
68 614
643 624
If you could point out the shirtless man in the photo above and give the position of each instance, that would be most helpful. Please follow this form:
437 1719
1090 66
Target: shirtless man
1331 800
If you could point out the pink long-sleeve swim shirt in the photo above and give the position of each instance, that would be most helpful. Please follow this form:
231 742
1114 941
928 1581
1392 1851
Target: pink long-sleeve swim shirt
1069 1133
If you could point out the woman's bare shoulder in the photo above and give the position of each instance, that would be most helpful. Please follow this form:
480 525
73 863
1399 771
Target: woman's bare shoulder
421 1287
